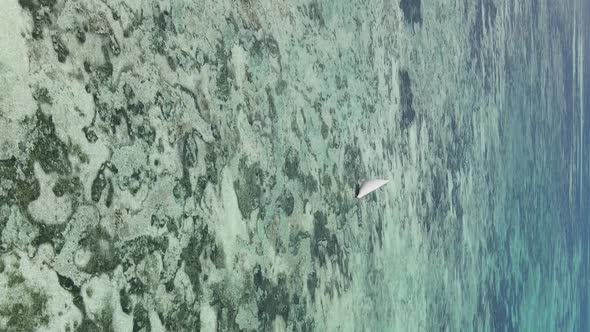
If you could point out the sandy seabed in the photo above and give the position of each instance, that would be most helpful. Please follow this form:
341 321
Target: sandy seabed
190 165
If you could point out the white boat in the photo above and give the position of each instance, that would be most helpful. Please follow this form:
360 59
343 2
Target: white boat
369 186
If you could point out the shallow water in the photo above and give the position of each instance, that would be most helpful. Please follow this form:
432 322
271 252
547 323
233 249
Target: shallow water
184 166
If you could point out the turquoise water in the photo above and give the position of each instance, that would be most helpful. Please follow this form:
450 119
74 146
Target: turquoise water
186 166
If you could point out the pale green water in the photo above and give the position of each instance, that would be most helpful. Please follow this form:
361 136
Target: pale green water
185 166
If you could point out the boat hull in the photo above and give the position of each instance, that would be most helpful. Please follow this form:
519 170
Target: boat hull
370 186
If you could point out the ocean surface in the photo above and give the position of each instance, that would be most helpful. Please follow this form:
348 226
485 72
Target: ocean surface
191 165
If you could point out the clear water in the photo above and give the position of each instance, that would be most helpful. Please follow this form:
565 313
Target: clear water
191 165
